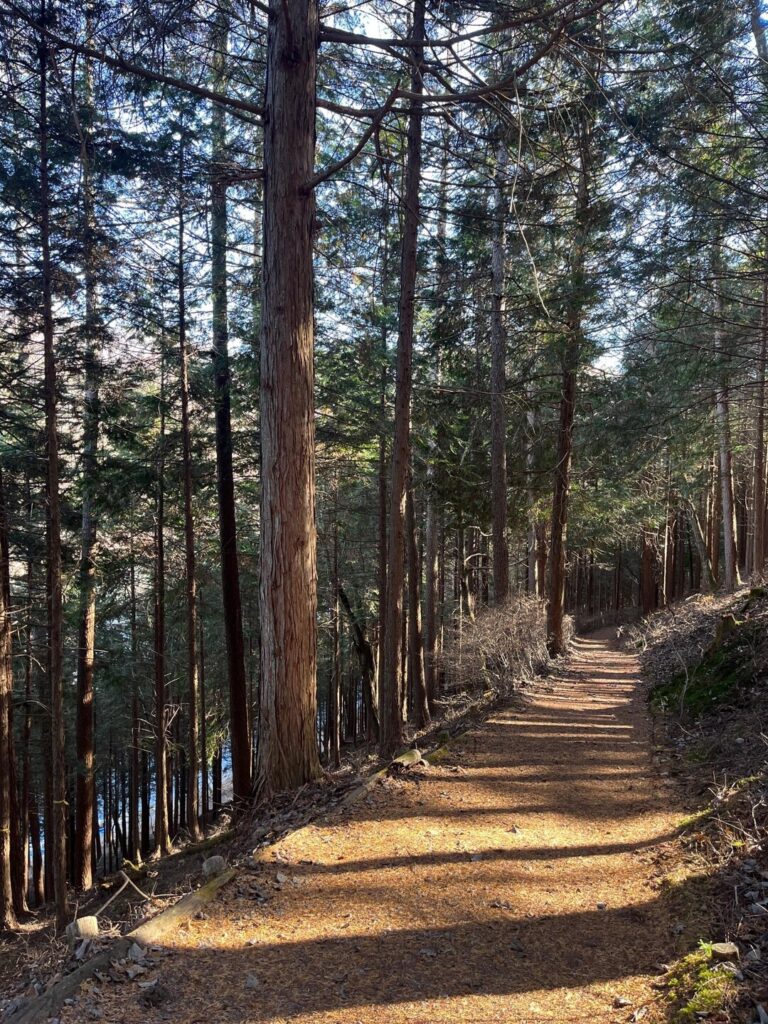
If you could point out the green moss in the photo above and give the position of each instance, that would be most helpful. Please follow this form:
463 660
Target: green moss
726 667
696 818
698 986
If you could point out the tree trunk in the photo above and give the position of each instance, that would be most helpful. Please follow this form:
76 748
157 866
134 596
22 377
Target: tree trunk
391 735
415 637
85 793
571 356
189 530
334 703
162 840
499 385
287 750
56 852
230 572
758 529
731 577
7 910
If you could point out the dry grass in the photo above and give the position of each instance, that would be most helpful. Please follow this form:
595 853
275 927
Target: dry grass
500 650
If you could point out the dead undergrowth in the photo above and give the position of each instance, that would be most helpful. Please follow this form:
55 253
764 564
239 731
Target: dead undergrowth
707 659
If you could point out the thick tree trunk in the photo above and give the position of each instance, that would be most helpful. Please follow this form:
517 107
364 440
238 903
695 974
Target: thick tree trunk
56 852
499 385
391 677
189 531
287 750
230 572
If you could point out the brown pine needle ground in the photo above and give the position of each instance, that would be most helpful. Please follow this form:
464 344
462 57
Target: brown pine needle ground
515 881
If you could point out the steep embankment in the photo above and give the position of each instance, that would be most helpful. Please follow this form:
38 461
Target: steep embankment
708 659
516 879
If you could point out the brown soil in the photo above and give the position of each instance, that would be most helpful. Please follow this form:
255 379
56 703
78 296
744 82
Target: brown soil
516 880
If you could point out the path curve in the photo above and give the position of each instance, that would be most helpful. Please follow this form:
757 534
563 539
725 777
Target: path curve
514 882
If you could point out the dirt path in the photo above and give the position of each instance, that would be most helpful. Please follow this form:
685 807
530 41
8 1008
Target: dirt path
511 883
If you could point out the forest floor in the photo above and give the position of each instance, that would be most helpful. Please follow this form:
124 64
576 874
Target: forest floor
525 876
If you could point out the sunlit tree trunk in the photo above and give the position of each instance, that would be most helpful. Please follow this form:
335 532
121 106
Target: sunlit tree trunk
287 750
391 677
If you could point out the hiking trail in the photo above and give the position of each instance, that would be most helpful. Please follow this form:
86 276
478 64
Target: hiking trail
512 881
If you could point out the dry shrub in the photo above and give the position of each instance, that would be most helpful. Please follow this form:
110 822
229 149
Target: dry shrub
501 649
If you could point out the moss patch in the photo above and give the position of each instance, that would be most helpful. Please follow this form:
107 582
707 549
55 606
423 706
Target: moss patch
698 986
727 666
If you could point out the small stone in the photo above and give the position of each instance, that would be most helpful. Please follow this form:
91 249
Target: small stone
82 928
601 905
251 981
620 1001
214 866
153 993
725 951
136 953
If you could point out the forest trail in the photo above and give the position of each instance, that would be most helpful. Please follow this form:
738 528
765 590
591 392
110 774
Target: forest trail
513 882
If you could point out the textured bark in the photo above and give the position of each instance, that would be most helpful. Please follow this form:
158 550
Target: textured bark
189 533
56 852
391 735
499 386
230 572
287 749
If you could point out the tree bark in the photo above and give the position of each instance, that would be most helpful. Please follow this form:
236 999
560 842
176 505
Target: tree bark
415 636
56 853
162 839
391 721
85 793
731 578
189 532
499 385
230 572
571 356
287 750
